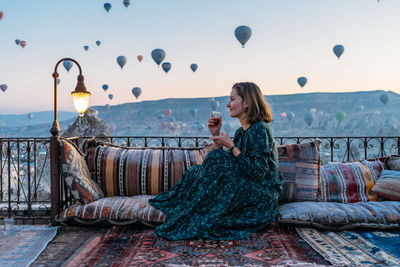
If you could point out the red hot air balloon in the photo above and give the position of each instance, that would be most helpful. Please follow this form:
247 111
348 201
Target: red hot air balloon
22 43
168 113
1 14
140 58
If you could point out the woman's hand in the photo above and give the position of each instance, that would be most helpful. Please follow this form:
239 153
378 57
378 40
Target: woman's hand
223 140
213 126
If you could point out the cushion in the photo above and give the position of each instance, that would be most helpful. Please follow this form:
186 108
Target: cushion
349 182
338 216
299 165
129 171
392 163
388 185
76 175
114 210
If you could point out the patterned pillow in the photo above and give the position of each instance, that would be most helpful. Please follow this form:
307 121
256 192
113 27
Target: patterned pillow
76 175
392 163
339 216
299 165
349 182
114 210
388 185
128 171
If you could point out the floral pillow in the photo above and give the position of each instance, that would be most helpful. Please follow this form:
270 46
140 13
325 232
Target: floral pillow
76 175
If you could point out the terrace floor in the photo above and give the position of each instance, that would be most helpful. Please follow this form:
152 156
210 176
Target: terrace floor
136 245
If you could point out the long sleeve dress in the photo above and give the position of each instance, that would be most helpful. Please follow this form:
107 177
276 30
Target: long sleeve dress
227 197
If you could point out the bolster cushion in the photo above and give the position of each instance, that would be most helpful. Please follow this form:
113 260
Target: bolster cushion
339 216
114 210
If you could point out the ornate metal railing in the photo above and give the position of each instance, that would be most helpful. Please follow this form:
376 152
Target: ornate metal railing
24 177
25 166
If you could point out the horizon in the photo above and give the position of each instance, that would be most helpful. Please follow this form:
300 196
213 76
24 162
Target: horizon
183 98
289 40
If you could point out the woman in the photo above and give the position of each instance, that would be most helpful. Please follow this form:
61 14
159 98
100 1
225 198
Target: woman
232 194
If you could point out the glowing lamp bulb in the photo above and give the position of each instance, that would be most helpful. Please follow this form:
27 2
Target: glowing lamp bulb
81 101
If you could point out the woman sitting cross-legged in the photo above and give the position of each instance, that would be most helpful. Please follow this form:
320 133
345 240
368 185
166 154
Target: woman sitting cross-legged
232 194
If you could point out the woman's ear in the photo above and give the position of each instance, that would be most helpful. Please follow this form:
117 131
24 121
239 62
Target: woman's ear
245 105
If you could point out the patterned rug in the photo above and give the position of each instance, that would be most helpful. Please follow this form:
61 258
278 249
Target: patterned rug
137 246
355 248
23 244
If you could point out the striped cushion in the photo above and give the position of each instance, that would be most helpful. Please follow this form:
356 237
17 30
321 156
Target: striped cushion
388 185
349 182
299 165
115 210
123 171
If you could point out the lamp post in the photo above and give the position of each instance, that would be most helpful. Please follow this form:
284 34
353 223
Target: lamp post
81 103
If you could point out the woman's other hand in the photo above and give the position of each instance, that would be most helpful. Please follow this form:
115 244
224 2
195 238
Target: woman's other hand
213 126
223 140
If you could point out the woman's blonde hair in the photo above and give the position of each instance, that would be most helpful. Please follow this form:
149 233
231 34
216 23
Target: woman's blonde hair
257 108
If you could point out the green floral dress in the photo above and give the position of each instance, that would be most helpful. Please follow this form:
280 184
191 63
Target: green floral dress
227 197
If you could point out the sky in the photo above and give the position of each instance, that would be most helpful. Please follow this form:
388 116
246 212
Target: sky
290 39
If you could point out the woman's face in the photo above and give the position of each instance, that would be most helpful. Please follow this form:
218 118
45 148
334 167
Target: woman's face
236 105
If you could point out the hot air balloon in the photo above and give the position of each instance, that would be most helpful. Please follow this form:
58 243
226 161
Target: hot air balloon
110 96
126 3
58 81
158 55
361 107
243 34
107 6
67 64
98 43
136 91
340 115
214 105
140 58
30 116
168 112
160 116
193 112
166 66
3 87
121 60
384 98
290 116
309 118
302 81
86 47
1 14
22 43
17 41
283 114
313 110
338 50
105 87
193 67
